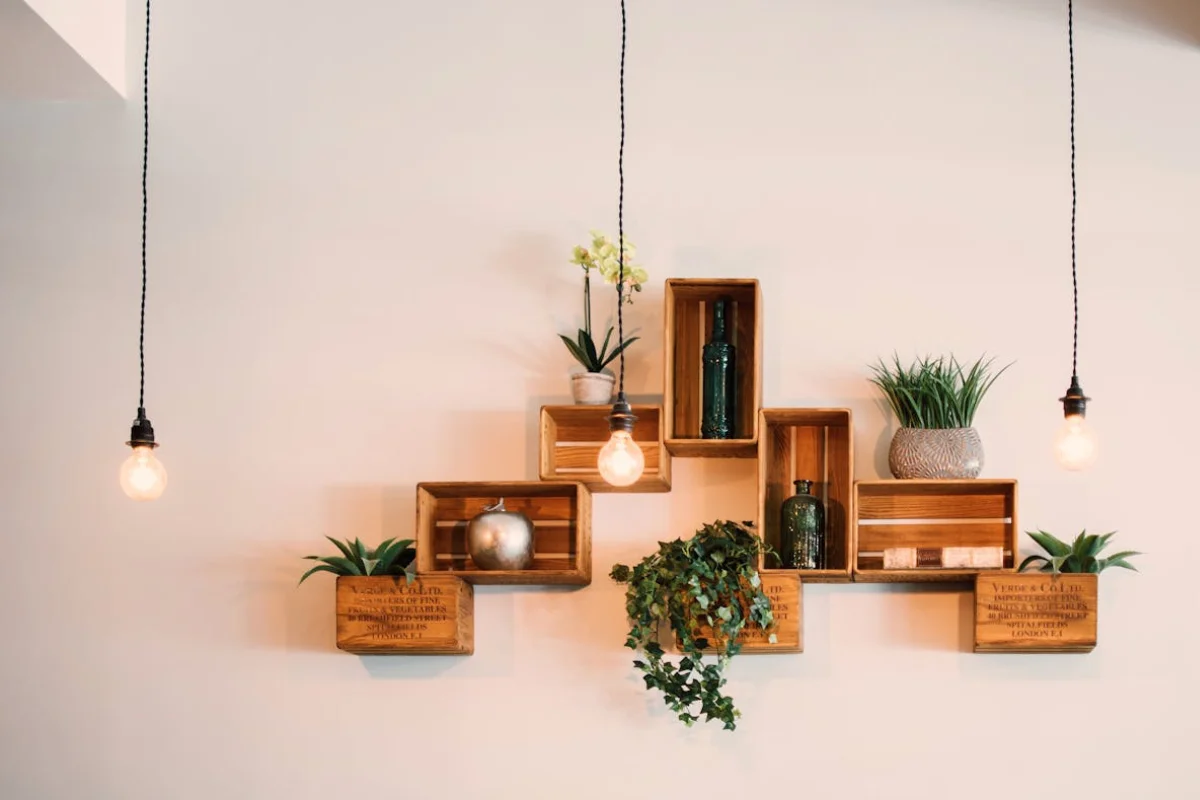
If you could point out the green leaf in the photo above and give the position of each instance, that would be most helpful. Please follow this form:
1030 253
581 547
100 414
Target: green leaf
604 347
588 346
1049 543
620 348
1031 560
1120 562
578 354
340 546
724 613
318 568
346 566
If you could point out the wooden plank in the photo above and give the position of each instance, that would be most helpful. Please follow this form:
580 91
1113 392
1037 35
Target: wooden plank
1035 613
584 457
839 495
685 368
933 506
775 467
875 574
383 615
589 424
875 538
458 509
712 448
745 340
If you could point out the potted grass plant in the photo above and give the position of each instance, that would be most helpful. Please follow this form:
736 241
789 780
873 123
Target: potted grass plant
935 400
707 590
594 385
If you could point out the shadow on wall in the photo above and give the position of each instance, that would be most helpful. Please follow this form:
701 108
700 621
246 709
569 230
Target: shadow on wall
1178 19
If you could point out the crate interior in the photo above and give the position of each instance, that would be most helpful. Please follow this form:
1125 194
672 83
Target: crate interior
445 509
692 302
572 437
816 445
969 513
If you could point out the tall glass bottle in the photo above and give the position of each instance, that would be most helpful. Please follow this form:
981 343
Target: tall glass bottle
719 403
802 530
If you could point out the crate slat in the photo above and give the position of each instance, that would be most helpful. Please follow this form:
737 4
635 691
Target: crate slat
1033 612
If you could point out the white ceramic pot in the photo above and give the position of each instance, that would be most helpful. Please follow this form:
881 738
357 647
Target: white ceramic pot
592 388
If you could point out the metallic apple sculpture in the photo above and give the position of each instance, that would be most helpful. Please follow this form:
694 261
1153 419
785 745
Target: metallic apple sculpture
500 539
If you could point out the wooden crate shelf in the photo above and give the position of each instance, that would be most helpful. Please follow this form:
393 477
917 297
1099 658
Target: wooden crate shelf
787 595
931 513
571 438
814 444
688 324
386 615
561 512
1035 612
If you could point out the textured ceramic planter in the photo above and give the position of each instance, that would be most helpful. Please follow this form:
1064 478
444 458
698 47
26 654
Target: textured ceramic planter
936 453
592 388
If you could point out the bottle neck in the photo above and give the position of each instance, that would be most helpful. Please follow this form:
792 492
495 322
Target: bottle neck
718 327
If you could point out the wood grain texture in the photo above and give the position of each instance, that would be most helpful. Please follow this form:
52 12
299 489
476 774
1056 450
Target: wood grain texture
1033 612
784 589
561 512
814 444
385 615
570 439
931 513
687 320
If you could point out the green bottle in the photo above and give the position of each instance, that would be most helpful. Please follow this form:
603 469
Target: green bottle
719 406
802 530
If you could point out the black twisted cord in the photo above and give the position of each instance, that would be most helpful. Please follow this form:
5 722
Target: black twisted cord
145 207
1074 193
621 218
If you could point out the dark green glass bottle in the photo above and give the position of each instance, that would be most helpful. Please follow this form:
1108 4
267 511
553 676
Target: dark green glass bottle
719 406
802 530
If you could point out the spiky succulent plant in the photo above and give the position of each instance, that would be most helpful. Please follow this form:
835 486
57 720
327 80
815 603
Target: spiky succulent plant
1082 555
391 557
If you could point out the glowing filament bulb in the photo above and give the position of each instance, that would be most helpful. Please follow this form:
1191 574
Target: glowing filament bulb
1075 445
621 461
143 476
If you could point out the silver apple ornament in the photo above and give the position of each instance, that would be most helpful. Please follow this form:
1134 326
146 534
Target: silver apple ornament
500 539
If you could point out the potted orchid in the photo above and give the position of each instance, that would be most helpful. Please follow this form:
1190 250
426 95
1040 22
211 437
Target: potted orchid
594 386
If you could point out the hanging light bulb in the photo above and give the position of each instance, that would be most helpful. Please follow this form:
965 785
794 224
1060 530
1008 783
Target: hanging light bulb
1075 444
621 462
143 476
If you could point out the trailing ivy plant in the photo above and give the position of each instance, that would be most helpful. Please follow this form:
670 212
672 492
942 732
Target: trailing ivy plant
706 589
391 557
1082 555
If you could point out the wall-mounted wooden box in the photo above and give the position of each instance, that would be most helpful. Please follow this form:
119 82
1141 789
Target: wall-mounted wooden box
786 595
688 319
1035 612
561 512
814 444
931 514
571 438
386 615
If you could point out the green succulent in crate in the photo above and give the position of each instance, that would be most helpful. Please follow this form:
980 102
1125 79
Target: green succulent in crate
708 583
391 557
1081 555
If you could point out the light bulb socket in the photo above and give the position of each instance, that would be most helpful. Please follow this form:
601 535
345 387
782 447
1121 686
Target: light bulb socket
142 432
1074 401
621 418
